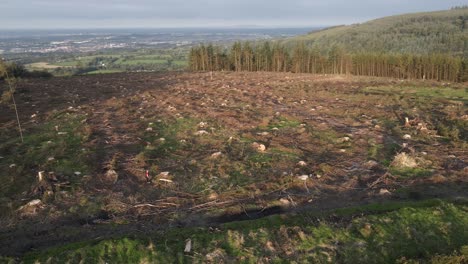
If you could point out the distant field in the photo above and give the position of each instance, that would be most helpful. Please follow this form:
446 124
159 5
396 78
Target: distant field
44 65
139 61
104 71
66 64
116 62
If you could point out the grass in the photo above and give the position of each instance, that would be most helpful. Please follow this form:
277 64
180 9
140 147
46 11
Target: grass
411 172
117 61
283 123
427 92
55 146
387 233
166 135
124 61
104 71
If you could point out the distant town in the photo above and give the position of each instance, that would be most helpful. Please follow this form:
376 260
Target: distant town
73 41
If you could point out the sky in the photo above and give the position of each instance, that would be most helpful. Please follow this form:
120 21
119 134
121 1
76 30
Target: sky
49 14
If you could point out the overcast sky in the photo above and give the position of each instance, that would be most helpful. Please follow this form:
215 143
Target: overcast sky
203 13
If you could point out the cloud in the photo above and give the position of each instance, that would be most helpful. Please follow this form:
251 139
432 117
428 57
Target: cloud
144 13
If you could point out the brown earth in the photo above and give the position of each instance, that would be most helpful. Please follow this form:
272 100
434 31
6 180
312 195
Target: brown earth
345 134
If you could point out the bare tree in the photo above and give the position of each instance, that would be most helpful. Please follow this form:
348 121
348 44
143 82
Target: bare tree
9 94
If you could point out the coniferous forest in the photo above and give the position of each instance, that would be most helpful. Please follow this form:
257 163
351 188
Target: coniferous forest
302 59
430 45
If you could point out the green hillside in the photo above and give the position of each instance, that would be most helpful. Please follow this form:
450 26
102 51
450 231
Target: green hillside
419 33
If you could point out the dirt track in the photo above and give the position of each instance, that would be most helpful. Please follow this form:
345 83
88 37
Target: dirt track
152 122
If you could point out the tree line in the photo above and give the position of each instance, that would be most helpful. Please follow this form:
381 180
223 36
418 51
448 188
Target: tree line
302 59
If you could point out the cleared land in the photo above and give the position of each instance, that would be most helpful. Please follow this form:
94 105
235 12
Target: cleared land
327 168
43 65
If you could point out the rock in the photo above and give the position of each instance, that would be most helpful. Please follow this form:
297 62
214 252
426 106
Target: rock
213 196
201 133
318 176
259 147
202 125
269 246
301 130
422 128
188 246
407 136
302 163
34 202
216 155
284 201
30 208
163 174
344 139
403 160
371 164
384 192
165 180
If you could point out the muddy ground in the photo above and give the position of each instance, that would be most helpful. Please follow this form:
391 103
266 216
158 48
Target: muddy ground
230 147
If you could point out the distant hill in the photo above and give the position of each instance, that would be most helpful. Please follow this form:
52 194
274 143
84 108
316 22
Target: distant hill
418 33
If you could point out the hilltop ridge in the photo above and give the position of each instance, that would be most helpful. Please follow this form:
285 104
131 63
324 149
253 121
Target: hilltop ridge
417 33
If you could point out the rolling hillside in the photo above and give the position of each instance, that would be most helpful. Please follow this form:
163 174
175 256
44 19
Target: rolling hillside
418 33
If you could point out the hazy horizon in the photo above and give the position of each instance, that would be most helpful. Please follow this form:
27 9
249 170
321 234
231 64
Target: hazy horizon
160 14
